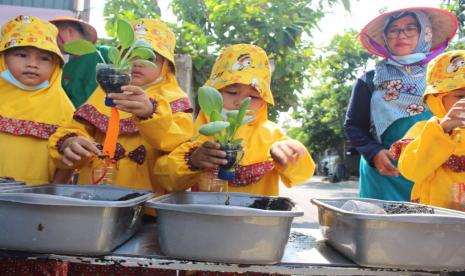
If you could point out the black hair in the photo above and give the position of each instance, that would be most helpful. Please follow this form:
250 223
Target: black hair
75 25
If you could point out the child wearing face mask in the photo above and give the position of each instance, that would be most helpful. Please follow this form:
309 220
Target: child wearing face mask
240 71
32 102
155 117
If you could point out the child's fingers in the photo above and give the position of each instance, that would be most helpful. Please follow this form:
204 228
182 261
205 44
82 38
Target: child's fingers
280 157
132 90
70 155
211 145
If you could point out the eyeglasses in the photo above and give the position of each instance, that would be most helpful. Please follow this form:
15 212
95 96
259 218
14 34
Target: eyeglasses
409 31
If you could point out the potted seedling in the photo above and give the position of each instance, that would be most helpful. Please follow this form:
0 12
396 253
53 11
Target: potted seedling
223 126
115 74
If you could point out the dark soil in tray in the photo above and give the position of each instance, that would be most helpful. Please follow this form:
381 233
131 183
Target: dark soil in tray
402 208
7 180
274 204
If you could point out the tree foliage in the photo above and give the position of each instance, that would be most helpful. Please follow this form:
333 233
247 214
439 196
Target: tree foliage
458 8
282 28
129 10
335 71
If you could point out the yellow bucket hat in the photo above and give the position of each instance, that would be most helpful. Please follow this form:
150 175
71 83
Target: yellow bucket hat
445 73
26 30
246 64
158 34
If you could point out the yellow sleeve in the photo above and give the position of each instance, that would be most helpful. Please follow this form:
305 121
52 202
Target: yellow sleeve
72 128
299 172
426 153
172 171
166 130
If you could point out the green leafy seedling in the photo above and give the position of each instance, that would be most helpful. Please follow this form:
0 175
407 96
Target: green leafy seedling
128 51
223 124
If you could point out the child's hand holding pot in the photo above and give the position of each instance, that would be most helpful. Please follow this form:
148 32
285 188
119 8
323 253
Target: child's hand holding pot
133 100
208 155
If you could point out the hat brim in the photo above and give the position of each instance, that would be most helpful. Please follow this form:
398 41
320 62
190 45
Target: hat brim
444 26
89 31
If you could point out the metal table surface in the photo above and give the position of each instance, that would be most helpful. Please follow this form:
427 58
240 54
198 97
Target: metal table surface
306 253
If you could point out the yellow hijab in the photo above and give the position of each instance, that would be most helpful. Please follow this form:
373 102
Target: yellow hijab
48 105
247 64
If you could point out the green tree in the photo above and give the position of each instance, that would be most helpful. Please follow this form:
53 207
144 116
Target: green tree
458 8
335 71
282 28
128 9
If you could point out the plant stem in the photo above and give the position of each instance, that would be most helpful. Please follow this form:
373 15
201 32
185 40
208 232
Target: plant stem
101 57
127 54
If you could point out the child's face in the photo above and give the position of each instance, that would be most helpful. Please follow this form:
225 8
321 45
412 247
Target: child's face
143 74
29 65
234 95
452 97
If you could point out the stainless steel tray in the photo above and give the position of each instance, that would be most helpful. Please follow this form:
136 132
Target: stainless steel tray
50 219
8 183
411 241
198 226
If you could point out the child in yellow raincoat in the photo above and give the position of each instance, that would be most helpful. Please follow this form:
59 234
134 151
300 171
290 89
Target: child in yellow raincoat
32 102
155 118
240 71
432 153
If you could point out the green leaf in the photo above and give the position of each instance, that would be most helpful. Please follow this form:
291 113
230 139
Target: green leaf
79 47
144 53
215 116
213 128
242 111
236 142
145 62
113 55
210 99
125 33
231 113
142 43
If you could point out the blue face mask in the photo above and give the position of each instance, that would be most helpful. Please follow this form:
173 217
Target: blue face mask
6 75
407 59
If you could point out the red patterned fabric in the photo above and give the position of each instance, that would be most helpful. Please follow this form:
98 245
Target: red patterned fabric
246 175
137 155
26 128
14 266
187 158
396 148
456 163
181 105
91 115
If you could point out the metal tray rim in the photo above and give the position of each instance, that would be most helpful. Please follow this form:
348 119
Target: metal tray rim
46 199
454 217
206 209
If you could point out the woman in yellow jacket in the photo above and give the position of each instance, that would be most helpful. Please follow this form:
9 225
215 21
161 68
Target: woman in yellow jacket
433 152
240 71
32 102
155 118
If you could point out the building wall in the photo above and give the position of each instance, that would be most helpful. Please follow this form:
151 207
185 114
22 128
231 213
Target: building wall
47 4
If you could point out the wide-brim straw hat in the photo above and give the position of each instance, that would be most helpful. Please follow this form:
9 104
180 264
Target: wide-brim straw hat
89 32
444 25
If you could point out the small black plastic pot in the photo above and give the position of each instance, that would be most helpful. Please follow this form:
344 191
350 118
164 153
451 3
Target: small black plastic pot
112 78
233 155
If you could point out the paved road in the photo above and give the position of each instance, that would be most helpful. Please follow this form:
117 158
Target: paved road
316 188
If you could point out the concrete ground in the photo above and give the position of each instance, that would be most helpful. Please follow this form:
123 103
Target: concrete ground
316 187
